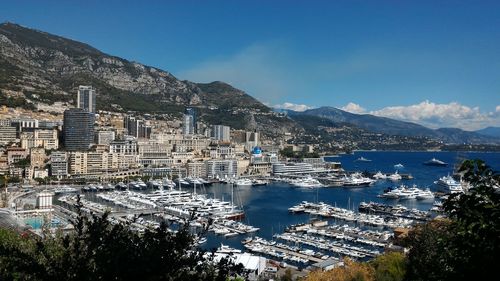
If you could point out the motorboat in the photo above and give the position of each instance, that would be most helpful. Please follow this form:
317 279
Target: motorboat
357 179
394 177
306 182
362 159
399 166
65 189
380 176
435 162
259 182
243 182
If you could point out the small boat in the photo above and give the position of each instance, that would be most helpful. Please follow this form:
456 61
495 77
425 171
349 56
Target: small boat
394 177
435 162
399 166
362 159
380 176
243 182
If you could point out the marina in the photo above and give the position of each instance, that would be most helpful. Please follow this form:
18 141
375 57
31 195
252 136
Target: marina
355 221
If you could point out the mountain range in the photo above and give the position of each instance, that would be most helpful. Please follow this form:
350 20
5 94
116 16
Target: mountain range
41 68
389 126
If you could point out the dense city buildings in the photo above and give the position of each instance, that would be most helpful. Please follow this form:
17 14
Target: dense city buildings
78 129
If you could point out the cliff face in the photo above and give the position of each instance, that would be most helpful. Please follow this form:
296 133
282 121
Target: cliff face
45 68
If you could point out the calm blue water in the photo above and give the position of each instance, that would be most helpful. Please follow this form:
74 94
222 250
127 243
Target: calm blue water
267 206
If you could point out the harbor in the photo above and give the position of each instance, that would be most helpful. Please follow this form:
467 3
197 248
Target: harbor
277 218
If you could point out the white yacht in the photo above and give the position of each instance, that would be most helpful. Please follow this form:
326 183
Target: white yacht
243 182
425 194
450 185
306 182
399 166
357 179
394 177
380 176
259 182
65 189
409 193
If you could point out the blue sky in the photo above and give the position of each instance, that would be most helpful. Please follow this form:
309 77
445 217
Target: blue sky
432 62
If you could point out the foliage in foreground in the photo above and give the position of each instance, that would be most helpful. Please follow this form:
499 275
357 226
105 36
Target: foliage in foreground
467 245
99 250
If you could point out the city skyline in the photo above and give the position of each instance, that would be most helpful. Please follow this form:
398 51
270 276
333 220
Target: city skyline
430 64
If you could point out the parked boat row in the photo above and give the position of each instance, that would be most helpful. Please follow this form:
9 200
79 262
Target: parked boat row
337 247
282 251
358 237
97 187
397 211
229 228
344 232
65 189
325 210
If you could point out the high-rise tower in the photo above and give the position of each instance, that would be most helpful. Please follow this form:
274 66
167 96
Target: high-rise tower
86 98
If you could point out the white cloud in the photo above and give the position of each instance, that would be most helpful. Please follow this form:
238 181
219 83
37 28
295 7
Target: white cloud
353 108
435 115
293 106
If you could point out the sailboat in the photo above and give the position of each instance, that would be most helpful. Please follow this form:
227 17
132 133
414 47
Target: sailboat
235 213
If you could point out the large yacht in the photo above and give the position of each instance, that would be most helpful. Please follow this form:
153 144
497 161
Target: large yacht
357 179
306 182
435 162
450 185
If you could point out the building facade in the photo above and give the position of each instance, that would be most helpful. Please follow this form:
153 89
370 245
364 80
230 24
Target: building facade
86 98
221 133
48 139
7 134
78 130
59 164
221 169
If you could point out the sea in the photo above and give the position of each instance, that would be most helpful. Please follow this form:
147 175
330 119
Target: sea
267 206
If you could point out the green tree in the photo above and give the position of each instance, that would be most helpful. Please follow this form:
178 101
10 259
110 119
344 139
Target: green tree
390 266
99 250
466 246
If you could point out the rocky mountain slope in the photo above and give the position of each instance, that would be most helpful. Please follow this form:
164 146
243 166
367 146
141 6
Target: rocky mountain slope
41 67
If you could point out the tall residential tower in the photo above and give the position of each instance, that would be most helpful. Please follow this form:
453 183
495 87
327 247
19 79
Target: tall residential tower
86 98
78 129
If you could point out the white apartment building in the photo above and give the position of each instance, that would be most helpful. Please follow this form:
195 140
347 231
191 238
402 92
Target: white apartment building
227 168
48 139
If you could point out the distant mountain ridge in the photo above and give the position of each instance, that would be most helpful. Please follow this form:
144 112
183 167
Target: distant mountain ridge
389 126
490 131
41 67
